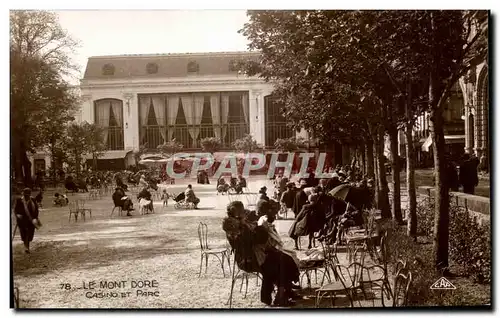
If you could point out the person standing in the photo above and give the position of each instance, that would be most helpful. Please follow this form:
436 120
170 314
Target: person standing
26 211
468 174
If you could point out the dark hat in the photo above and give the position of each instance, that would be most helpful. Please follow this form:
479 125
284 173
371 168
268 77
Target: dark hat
263 189
27 191
290 185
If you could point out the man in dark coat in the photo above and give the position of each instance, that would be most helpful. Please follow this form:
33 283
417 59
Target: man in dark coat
125 204
468 174
26 211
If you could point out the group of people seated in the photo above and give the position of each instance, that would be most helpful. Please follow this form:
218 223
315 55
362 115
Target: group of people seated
235 184
60 199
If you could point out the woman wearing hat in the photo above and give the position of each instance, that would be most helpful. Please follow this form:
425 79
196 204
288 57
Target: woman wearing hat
26 211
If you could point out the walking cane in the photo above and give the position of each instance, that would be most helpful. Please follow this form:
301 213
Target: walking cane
14 234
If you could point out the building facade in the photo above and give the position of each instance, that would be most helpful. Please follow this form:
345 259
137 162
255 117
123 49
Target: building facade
149 99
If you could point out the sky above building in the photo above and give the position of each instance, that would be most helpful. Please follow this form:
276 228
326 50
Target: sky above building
148 32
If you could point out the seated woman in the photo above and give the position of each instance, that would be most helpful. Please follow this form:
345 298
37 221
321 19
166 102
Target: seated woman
222 186
191 197
288 270
146 196
123 201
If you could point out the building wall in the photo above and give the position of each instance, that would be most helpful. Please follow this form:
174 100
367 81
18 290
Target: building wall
127 91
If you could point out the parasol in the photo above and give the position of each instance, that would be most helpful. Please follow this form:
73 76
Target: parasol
341 192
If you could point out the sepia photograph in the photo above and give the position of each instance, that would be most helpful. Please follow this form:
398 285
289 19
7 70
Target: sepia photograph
250 159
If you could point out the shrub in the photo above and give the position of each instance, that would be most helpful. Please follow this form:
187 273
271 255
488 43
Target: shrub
470 242
470 246
420 260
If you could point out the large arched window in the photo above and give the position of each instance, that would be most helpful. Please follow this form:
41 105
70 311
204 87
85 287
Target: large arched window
109 116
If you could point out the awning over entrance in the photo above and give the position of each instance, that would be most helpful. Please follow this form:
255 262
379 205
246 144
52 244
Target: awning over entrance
449 139
115 154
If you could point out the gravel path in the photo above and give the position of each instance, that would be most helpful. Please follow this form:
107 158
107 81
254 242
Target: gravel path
149 261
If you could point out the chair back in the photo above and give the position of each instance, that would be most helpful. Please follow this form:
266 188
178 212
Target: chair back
359 254
349 276
73 207
80 204
402 284
203 236
400 266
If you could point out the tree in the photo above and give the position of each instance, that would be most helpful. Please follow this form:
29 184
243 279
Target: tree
39 96
291 144
211 144
463 36
81 140
170 148
75 145
95 142
246 144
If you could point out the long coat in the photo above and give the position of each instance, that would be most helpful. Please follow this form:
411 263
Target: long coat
24 222
300 200
310 219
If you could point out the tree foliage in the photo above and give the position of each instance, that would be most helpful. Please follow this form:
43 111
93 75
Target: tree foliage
211 144
170 148
82 140
246 144
291 144
41 101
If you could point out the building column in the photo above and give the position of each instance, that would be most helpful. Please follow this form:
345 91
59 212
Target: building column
131 121
257 116
87 109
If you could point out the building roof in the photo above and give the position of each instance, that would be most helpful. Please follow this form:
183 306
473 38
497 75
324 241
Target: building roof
164 65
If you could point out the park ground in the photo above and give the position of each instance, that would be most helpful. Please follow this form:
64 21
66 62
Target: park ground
68 257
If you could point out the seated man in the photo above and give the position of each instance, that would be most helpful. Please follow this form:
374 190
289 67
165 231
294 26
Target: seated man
121 200
191 197
60 199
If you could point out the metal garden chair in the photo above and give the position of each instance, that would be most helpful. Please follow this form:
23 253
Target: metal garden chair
73 210
238 273
402 284
220 253
348 281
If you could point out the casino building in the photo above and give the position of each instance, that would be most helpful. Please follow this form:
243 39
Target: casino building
149 99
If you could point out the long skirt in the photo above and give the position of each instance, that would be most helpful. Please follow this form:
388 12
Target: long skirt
27 231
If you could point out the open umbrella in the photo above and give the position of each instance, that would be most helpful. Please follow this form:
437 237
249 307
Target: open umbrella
341 192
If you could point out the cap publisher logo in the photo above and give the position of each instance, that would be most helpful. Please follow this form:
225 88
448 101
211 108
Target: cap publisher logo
443 283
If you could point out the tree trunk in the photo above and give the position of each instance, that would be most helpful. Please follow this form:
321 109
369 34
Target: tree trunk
370 172
396 180
382 187
410 182
26 165
363 159
441 216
